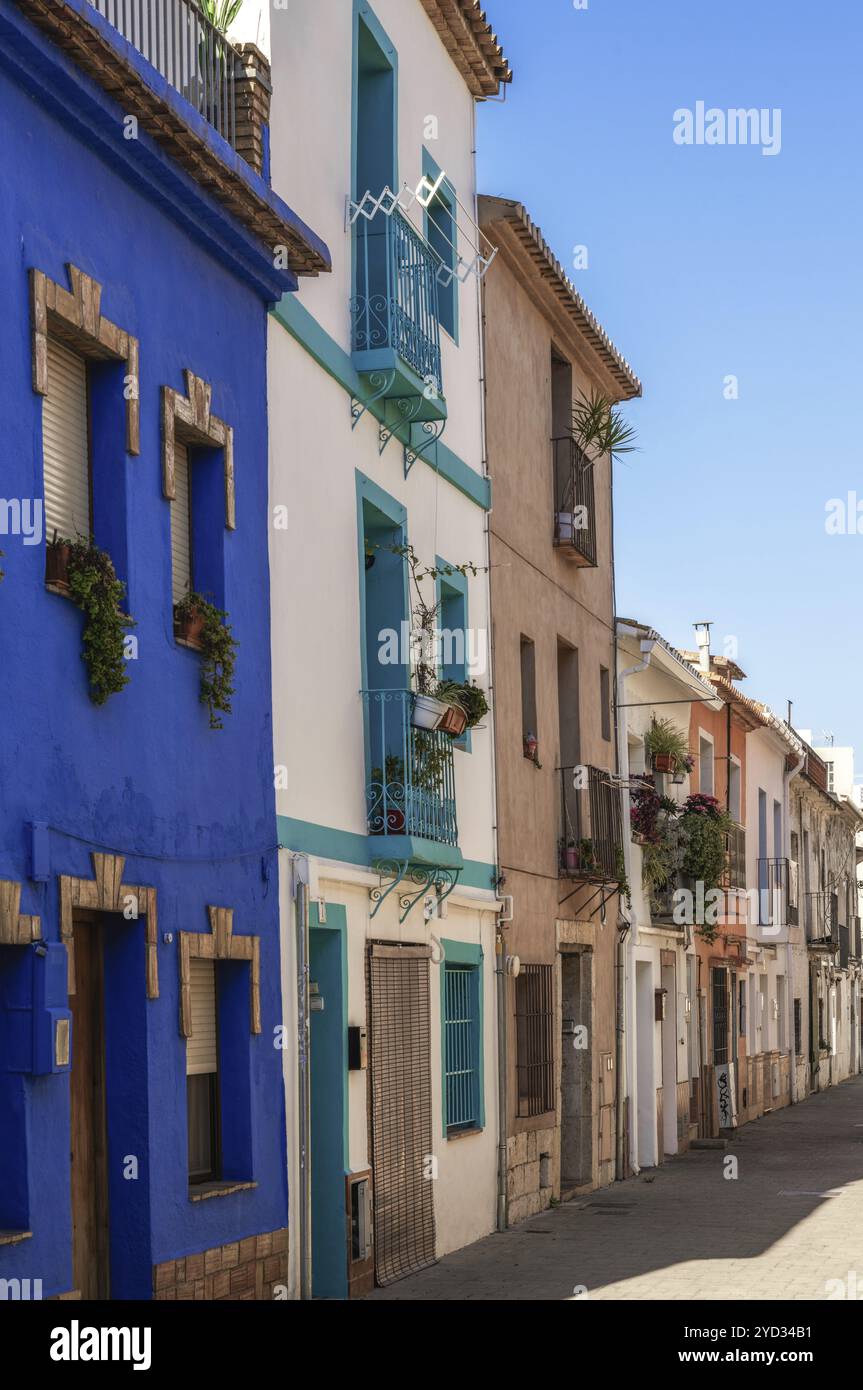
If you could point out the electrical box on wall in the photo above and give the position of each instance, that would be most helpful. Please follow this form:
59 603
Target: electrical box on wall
52 1020
358 1052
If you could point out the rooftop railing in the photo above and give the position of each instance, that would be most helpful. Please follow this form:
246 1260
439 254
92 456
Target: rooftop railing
179 41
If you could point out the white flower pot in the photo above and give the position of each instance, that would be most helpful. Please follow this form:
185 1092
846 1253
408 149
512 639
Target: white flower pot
427 712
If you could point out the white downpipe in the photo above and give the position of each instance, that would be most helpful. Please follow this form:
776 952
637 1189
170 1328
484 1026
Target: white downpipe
789 950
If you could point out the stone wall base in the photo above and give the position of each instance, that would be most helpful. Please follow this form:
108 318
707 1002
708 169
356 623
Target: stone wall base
252 1268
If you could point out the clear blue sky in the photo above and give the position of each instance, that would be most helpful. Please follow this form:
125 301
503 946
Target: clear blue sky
709 261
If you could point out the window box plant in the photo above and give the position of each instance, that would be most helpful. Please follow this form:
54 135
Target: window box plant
57 556
218 647
93 586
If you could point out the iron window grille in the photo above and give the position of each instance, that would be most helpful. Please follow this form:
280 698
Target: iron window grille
534 1010
462 1043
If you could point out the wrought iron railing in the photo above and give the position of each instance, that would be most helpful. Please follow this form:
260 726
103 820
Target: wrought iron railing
410 789
574 510
735 858
773 892
179 41
396 300
820 917
591 839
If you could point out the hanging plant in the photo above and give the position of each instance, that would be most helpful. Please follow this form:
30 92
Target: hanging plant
668 747
218 647
95 588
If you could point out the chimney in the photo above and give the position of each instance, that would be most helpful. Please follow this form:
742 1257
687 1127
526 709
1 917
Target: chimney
702 637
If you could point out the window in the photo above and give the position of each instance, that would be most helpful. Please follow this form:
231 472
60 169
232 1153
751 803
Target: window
66 447
454 654
441 231
181 524
741 1008
705 766
202 1075
830 777
534 1020
605 702
528 694
734 790
821 1040
798 1027
462 1023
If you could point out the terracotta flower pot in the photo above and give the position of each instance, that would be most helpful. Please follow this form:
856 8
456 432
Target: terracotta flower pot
189 626
57 564
454 722
664 762
570 856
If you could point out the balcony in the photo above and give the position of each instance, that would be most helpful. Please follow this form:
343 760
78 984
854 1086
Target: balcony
591 841
179 41
574 510
820 915
774 893
395 331
410 788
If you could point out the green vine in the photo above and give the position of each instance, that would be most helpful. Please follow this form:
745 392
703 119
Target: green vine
218 647
95 588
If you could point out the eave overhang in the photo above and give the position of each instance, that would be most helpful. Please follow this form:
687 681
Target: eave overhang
177 152
520 241
473 46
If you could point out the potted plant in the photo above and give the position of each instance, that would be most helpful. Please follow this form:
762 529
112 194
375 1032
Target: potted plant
214 638
570 857
57 554
667 746
94 587
587 857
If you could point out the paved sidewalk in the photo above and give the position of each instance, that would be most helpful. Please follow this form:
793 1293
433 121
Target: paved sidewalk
685 1231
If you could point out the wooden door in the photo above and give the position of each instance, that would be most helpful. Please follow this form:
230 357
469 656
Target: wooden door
88 1143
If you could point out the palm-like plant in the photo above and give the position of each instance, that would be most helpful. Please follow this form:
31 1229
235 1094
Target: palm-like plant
599 428
221 13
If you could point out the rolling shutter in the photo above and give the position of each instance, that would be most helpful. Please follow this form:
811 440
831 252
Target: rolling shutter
201 1050
181 525
401 1109
65 446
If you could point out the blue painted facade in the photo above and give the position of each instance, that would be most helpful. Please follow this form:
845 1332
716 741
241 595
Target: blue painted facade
191 809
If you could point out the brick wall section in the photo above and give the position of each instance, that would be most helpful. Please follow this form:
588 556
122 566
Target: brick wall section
253 90
245 1269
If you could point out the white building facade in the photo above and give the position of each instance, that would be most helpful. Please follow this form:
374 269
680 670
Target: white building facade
378 483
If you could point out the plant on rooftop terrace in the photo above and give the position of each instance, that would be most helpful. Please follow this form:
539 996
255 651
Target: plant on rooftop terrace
221 13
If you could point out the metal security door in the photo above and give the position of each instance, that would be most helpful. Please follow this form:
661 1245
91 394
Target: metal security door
400 1110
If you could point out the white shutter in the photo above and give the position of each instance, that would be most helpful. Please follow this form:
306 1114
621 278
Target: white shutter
201 1053
181 525
65 446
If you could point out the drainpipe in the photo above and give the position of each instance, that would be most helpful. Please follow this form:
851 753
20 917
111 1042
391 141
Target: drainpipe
789 952
301 897
625 1060
500 940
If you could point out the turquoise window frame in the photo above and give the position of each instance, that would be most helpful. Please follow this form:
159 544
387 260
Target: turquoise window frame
453 613
364 14
394 511
469 958
448 297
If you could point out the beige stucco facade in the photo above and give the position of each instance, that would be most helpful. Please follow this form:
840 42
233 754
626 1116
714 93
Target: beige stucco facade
543 597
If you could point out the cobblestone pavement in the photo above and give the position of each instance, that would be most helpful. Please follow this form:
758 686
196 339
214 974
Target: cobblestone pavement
789 1223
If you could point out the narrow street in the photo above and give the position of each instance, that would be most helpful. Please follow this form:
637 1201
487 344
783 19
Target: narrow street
791 1221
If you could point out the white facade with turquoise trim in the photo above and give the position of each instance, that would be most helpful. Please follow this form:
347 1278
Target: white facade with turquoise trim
340 489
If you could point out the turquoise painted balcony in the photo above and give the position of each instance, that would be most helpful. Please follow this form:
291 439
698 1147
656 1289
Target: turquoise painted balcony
410 787
394 313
